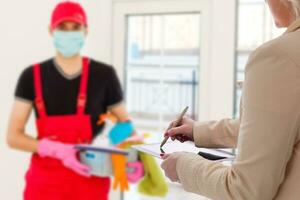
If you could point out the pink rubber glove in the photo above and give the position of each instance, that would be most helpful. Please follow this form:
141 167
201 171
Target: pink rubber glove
64 152
138 172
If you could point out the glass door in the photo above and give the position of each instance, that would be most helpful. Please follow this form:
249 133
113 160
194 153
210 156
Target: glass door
161 67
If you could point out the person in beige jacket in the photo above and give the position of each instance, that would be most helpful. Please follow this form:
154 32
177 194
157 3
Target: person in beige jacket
267 135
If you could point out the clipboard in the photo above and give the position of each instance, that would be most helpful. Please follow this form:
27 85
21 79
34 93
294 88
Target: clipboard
176 146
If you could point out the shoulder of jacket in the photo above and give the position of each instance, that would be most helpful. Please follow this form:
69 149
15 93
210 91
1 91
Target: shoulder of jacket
285 47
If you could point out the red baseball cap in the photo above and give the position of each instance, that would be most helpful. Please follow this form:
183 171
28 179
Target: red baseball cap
68 11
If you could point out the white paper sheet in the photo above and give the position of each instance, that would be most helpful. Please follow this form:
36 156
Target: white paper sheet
176 146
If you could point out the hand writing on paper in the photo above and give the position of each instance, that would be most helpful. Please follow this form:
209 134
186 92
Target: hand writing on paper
183 132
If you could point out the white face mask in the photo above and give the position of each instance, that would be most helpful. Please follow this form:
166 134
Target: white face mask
68 43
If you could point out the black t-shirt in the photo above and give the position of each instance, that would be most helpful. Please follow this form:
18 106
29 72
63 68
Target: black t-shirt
60 91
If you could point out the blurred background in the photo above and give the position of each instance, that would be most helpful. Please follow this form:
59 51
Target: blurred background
167 53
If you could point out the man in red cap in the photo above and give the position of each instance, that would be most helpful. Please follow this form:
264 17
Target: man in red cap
68 27
68 93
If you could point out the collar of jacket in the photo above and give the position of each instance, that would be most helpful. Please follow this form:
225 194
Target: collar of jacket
294 26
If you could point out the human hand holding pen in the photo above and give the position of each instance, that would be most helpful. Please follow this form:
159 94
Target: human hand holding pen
183 131
174 124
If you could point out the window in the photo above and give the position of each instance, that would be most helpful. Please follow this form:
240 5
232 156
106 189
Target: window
162 63
255 26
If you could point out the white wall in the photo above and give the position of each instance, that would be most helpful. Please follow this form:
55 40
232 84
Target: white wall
24 39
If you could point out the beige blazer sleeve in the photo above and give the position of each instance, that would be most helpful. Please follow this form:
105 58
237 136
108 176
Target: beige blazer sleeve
267 134
217 134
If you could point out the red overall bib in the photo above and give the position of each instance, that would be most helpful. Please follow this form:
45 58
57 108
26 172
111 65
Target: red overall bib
47 178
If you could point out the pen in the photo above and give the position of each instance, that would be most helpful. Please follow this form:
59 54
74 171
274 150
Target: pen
176 123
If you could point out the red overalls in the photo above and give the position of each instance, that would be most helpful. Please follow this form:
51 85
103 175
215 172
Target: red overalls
47 178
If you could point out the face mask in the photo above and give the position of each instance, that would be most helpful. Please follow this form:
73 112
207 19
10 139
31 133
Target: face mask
68 43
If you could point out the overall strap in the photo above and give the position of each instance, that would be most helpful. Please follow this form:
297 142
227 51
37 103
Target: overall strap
39 102
82 96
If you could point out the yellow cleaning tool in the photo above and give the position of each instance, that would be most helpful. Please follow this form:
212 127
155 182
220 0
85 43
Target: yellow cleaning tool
153 183
119 167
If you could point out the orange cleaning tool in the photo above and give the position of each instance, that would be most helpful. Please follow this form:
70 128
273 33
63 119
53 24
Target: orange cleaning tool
106 116
119 167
